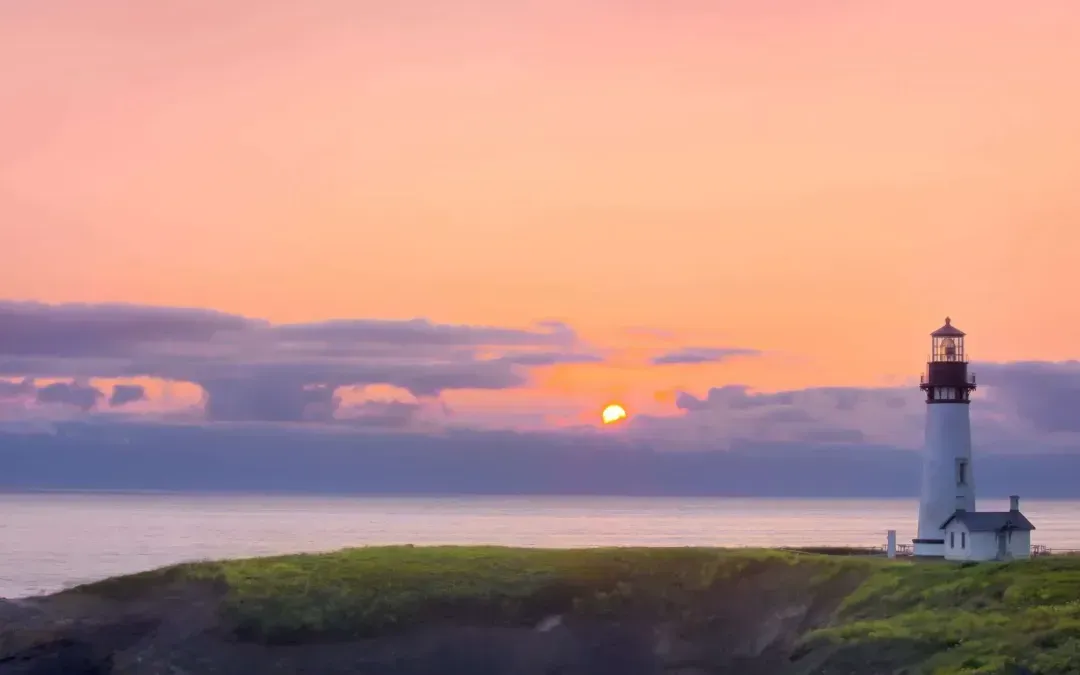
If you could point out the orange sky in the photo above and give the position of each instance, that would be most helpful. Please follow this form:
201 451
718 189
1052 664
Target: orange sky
824 181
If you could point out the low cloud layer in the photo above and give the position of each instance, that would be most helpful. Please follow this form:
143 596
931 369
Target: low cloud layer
381 459
1045 397
85 359
1019 407
74 394
16 389
106 330
123 394
80 396
252 370
694 355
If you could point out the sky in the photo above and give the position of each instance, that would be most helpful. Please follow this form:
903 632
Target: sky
739 220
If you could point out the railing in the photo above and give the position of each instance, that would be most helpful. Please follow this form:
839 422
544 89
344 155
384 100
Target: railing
907 550
1041 550
902 550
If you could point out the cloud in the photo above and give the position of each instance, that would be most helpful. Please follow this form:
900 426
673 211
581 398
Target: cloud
732 414
420 332
1044 396
123 394
286 391
739 397
550 358
252 370
72 393
818 441
1020 407
692 355
383 458
383 414
83 330
263 398
17 389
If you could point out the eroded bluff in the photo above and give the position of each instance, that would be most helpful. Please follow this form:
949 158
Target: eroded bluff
749 624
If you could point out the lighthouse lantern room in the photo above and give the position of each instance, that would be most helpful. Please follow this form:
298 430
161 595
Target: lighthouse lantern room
948 483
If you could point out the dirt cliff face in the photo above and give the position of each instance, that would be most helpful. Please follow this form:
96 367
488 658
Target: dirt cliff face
748 625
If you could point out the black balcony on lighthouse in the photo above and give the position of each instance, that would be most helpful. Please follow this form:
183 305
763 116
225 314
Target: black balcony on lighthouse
946 379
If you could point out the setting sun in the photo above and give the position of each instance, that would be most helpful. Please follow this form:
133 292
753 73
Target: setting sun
613 413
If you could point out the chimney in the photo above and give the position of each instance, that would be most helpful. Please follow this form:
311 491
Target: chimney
1014 503
960 503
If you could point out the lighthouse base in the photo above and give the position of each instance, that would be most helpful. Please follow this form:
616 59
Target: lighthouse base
928 548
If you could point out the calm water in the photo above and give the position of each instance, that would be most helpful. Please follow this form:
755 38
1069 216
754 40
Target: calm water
52 540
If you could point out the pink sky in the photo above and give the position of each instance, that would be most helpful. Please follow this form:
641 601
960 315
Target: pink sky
822 181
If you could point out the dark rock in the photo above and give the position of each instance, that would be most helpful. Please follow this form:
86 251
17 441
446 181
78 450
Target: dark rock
14 611
62 657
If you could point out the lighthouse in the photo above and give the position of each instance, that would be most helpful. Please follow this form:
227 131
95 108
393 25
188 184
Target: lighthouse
948 484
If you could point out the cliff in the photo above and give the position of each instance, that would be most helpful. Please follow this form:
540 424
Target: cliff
496 611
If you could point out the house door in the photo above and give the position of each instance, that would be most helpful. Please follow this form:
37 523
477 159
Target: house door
1001 546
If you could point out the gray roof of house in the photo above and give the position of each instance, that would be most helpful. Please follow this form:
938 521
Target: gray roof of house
991 521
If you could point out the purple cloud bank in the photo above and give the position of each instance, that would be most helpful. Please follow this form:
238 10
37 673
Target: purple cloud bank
123 394
74 394
1020 407
252 370
694 355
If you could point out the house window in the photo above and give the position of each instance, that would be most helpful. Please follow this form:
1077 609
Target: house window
952 540
963 540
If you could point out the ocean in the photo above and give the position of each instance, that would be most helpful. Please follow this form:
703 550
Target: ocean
53 540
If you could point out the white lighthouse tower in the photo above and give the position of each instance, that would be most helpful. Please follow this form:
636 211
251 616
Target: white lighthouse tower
947 482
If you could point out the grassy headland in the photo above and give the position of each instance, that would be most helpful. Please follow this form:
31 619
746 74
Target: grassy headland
860 615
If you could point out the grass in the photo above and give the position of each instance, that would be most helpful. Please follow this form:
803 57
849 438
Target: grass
366 592
986 618
902 617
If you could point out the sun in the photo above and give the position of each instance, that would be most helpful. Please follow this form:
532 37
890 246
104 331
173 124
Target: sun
613 413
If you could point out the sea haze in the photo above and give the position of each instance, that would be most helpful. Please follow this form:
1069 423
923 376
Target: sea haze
80 456
52 540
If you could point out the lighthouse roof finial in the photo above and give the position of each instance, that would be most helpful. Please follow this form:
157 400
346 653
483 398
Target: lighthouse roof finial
948 330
